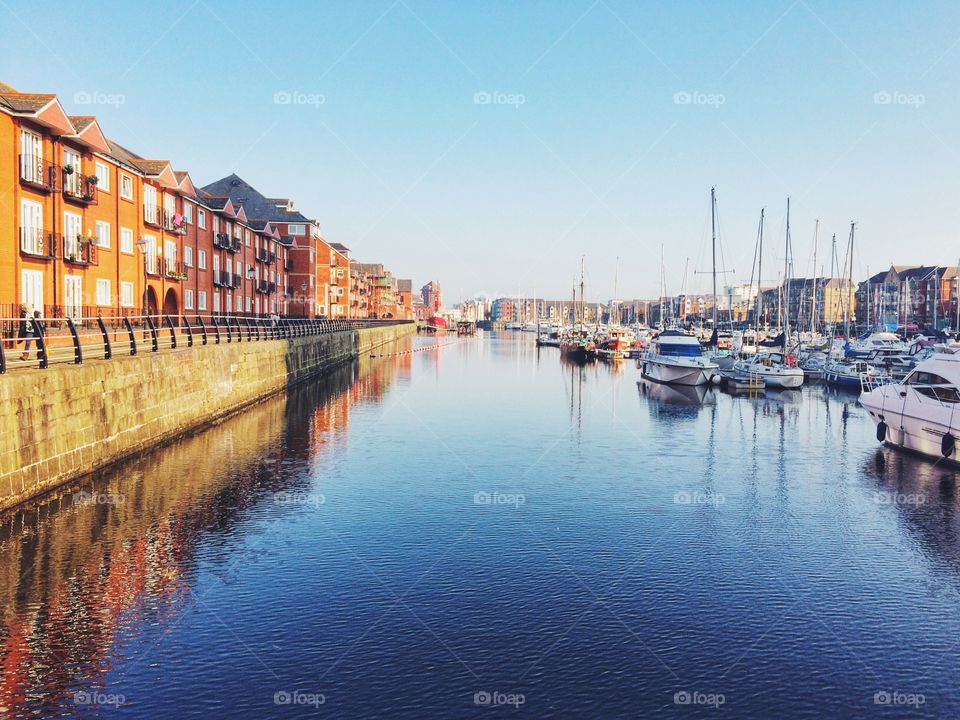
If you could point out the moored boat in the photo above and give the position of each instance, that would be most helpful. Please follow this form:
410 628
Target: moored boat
677 358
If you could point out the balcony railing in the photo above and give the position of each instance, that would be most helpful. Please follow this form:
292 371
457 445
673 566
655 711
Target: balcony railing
173 222
152 265
226 279
221 241
79 251
266 256
288 265
174 270
288 292
79 188
36 243
39 174
151 215
267 288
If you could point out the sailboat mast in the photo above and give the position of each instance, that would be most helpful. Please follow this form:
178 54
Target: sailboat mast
786 283
760 273
583 316
616 280
846 309
713 234
813 313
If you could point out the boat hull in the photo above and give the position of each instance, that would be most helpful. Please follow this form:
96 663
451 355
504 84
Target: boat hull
906 431
676 374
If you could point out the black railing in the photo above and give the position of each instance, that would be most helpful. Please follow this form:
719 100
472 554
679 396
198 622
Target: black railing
78 334
39 174
172 223
266 287
79 251
222 241
222 278
174 270
36 243
288 265
266 256
80 188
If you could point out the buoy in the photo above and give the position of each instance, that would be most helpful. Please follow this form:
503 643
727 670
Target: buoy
881 431
948 444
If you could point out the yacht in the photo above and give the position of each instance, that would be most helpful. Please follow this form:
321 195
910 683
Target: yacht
848 373
866 345
677 358
774 368
920 412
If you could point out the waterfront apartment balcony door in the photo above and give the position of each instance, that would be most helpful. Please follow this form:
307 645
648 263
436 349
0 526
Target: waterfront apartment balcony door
72 296
31 289
72 230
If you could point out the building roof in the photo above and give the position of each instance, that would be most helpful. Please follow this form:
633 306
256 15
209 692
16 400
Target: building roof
340 248
254 203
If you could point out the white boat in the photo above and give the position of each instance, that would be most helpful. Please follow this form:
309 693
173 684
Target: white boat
773 368
919 413
866 345
676 358
849 373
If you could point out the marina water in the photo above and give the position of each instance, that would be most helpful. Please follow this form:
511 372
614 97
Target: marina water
476 528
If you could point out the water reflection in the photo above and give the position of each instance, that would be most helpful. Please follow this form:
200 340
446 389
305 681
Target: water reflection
82 572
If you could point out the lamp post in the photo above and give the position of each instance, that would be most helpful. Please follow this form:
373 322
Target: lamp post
142 245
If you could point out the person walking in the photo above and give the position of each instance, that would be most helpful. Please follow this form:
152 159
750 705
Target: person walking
27 331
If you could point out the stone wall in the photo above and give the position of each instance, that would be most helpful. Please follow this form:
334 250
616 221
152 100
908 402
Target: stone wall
69 420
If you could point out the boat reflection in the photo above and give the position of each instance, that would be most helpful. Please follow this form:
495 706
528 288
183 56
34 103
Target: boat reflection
690 395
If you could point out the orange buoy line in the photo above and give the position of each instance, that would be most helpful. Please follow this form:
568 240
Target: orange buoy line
434 346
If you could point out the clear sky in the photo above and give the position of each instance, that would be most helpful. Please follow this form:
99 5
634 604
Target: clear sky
488 145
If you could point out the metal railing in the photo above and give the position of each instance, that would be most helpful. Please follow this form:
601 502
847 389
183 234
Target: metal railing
74 338
80 188
79 251
37 243
39 173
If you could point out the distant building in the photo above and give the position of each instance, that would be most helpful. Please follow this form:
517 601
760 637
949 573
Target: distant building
432 297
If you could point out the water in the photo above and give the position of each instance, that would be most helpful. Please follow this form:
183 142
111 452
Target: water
435 533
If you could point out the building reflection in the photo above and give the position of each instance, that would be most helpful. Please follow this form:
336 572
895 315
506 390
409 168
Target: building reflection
84 569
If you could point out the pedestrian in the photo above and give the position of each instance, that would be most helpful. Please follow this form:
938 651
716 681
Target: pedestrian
27 331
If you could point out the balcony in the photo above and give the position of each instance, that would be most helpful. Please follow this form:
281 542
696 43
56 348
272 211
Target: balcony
38 174
79 251
222 241
152 266
81 189
174 222
151 215
35 243
266 256
265 287
173 270
288 265
288 292
222 279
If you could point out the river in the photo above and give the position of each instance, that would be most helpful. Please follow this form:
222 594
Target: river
473 527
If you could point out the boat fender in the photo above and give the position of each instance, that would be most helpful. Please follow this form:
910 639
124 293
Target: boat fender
947 445
881 431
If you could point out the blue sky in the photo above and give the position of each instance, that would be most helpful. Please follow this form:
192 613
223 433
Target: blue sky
489 145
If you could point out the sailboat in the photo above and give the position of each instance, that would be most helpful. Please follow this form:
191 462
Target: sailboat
617 340
776 369
577 344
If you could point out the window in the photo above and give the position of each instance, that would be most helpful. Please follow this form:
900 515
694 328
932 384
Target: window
150 204
201 300
126 294
170 256
31 228
239 268
229 303
71 169
201 219
249 304
216 302
188 256
297 229
248 238
103 292
188 299
103 177
187 213
126 186
103 234
216 263
202 259
31 289
72 232
31 157
216 223
126 240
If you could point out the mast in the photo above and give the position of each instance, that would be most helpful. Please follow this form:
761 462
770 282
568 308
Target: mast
663 292
616 279
583 316
713 234
957 328
813 313
786 283
760 273
846 313
936 297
